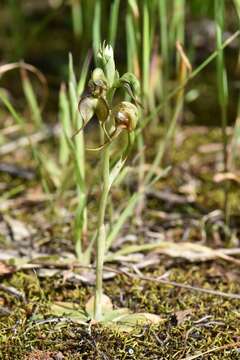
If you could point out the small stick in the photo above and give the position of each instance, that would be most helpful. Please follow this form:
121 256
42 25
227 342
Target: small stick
148 278
176 284
218 348
193 288
13 291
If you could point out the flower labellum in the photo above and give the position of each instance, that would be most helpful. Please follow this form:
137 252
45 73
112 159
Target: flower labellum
90 105
87 107
125 115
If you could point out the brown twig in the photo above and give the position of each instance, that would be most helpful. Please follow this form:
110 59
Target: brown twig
27 67
160 280
185 286
218 348
13 291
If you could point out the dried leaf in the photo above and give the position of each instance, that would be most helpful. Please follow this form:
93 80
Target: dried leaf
42 273
71 310
143 318
42 355
19 230
107 305
6 269
182 315
116 315
220 177
189 251
128 322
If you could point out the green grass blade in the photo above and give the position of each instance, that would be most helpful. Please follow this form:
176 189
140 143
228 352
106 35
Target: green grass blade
31 98
65 119
17 117
146 50
131 249
113 22
193 75
222 85
78 150
97 28
76 18
83 77
162 8
128 211
71 73
132 45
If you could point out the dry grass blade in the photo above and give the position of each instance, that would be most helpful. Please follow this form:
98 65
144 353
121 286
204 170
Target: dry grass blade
183 56
24 141
218 348
185 250
28 67
193 288
221 177
174 284
194 252
13 291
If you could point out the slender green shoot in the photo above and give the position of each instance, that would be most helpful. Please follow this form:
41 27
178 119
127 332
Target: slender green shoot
79 156
113 22
222 86
145 50
31 98
76 18
132 33
164 36
16 116
97 27
65 119
221 74
235 144
101 238
193 74
234 154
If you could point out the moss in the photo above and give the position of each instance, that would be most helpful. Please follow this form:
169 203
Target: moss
211 321
220 325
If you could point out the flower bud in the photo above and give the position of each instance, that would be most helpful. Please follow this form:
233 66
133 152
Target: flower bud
105 61
98 74
126 115
131 80
97 85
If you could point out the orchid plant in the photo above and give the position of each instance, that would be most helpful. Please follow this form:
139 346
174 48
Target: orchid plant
115 117
113 120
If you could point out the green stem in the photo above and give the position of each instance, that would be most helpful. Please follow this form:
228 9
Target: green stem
101 236
162 7
77 18
222 84
146 51
96 28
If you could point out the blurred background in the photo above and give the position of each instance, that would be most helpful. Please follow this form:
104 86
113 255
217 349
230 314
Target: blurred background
143 34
